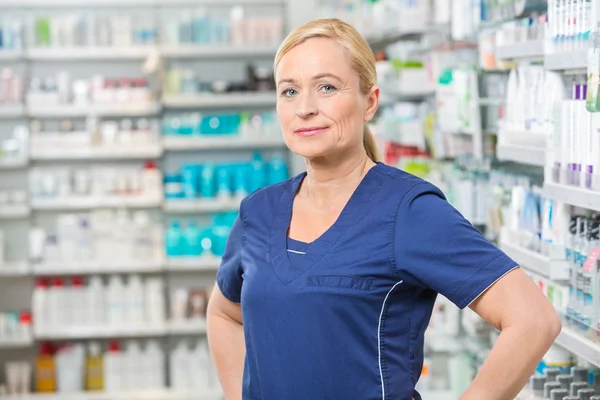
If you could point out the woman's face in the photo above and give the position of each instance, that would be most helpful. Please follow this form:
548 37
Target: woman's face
319 103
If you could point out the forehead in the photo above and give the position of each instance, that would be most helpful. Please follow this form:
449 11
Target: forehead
315 56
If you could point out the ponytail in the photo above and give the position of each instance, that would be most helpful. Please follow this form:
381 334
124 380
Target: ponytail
371 145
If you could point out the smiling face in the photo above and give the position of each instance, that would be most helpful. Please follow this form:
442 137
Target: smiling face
319 102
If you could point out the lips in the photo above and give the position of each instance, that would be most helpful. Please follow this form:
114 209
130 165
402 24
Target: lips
310 131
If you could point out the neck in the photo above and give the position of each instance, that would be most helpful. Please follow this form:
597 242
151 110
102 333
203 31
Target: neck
328 180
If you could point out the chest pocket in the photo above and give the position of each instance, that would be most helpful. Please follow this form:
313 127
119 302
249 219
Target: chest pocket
342 282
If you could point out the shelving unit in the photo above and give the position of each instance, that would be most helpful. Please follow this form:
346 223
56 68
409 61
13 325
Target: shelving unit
130 3
104 332
122 152
572 195
14 211
229 100
88 53
216 51
527 155
13 163
16 344
576 60
557 270
10 55
203 263
163 394
525 50
187 327
188 143
14 269
579 345
99 110
12 110
182 206
97 268
83 203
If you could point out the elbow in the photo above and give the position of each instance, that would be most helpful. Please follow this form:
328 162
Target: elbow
548 327
554 325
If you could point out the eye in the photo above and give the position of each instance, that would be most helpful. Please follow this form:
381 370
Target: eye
328 88
289 92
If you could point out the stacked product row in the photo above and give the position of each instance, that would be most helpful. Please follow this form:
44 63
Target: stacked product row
192 240
11 87
246 124
557 384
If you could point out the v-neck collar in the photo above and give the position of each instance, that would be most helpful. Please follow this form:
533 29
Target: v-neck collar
352 212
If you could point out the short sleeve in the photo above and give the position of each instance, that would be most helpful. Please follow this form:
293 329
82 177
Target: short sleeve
229 274
437 248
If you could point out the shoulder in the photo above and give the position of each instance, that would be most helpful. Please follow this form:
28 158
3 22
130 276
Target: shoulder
406 187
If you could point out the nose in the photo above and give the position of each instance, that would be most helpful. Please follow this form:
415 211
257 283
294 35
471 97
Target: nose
306 106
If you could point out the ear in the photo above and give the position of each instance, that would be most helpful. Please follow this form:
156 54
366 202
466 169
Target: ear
372 103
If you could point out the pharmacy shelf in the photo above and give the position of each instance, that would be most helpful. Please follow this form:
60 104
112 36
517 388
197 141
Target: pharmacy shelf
383 35
557 270
87 268
10 55
491 102
86 203
210 205
14 269
19 343
89 53
228 142
99 110
231 100
13 163
187 327
204 263
12 110
14 211
527 155
572 195
217 51
529 50
576 60
575 343
78 4
122 152
158 394
103 332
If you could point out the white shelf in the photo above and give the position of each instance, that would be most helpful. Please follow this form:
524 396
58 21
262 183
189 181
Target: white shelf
100 110
388 34
79 4
103 331
535 262
13 163
527 155
572 195
201 205
14 211
16 343
217 51
14 269
86 203
10 55
207 142
529 50
131 267
575 343
188 327
122 152
88 53
566 61
12 110
204 263
233 100
156 394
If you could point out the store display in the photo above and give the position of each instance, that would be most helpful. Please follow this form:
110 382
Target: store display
62 89
11 34
191 368
246 124
195 241
15 147
11 87
15 327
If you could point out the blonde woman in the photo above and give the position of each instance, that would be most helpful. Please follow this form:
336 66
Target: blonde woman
329 279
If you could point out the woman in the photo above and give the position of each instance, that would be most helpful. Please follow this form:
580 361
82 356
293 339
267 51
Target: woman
328 280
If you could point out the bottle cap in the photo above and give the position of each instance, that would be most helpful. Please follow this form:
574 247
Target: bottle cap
536 383
25 317
548 386
586 394
114 347
150 165
41 283
77 281
552 373
558 394
580 374
46 349
57 282
565 381
576 386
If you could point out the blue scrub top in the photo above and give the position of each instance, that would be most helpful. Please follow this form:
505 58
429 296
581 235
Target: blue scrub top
344 317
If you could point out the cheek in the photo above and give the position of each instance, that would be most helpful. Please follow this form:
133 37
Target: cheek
345 113
285 113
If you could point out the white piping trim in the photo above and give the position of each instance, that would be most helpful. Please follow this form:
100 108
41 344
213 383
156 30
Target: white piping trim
296 252
379 338
492 284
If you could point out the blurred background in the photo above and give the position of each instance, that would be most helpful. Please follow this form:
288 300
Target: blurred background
130 130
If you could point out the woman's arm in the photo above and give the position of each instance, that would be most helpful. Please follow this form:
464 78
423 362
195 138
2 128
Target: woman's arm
226 342
529 325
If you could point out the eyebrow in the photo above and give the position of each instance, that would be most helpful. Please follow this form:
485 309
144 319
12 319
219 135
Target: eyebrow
316 77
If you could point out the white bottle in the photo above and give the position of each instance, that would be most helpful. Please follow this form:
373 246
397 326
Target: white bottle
180 368
56 305
134 308
154 301
151 180
132 364
95 302
142 248
40 306
114 299
200 366
155 365
76 302
113 368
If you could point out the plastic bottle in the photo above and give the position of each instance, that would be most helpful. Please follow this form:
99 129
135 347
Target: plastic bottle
258 172
95 302
132 364
40 306
154 364
180 367
142 242
174 240
113 368
56 304
45 370
94 368
77 299
151 180
278 171
155 301
134 308
199 367
115 293
207 181
193 240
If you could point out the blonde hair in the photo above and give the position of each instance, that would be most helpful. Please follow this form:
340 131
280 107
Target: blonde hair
361 57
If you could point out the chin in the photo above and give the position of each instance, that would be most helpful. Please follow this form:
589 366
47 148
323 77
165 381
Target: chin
308 150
